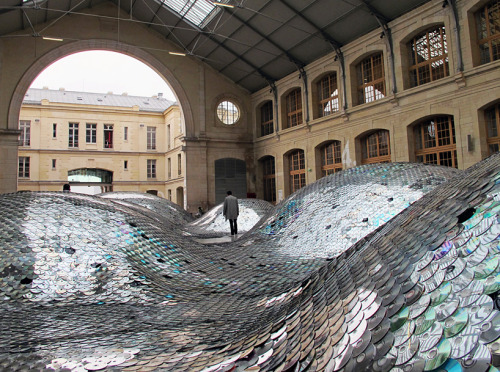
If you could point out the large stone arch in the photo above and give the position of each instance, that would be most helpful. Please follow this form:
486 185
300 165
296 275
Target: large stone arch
94 44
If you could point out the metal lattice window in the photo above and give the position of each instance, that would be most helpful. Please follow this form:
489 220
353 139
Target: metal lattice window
266 119
435 141
228 112
328 95
198 12
376 148
488 29
294 108
492 117
331 158
297 170
428 56
371 79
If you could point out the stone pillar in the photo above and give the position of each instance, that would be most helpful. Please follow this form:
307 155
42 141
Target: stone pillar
196 175
9 140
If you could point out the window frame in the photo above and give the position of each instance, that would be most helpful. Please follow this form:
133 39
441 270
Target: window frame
490 38
365 147
297 170
293 107
266 119
108 129
73 134
335 165
23 167
269 178
91 133
494 140
331 98
416 66
151 138
364 83
25 136
423 152
151 168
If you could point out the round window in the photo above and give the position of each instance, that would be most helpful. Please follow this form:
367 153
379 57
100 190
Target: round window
228 112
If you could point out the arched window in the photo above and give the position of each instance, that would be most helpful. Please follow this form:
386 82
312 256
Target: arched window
328 95
492 117
331 158
293 108
269 177
428 56
488 30
376 148
435 141
266 119
297 170
371 79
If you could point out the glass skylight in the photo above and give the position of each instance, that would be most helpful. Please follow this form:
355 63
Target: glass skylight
198 12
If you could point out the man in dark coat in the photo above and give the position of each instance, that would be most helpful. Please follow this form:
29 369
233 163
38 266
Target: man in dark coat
231 212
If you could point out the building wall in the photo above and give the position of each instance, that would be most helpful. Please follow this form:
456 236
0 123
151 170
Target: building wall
463 94
44 147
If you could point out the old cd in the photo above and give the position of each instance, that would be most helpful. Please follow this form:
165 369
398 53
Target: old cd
425 261
463 280
480 310
449 259
416 364
425 321
478 256
414 294
404 333
446 309
455 269
420 306
443 250
361 344
463 343
356 334
396 306
471 294
399 319
491 283
455 323
406 351
384 364
431 337
377 318
490 328
485 268
478 360
440 294
434 282
436 356
381 330
362 360
451 365
383 346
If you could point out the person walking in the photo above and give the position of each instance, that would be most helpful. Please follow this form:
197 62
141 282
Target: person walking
231 212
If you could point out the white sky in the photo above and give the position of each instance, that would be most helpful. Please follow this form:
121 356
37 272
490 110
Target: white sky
101 72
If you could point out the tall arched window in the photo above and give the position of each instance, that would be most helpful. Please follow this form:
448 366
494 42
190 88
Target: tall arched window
266 119
376 148
487 22
428 56
435 141
331 158
371 79
297 170
269 177
492 117
294 108
328 95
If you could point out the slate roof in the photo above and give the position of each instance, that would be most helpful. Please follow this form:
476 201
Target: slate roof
149 104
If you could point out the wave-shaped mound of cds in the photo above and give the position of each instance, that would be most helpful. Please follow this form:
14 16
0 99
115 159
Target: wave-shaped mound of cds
213 223
89 284
166 210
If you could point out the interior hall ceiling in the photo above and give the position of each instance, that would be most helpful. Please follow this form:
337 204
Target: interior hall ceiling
255 43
